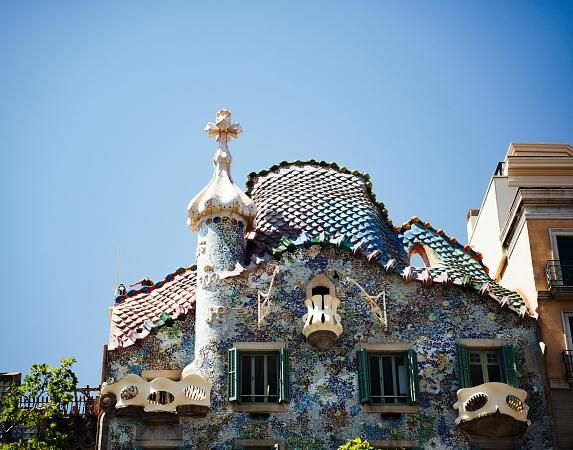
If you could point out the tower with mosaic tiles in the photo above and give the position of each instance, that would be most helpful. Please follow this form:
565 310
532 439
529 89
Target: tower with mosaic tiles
221 214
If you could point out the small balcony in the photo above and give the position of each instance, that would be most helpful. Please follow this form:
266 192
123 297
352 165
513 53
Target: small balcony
568 361
188 396
492 410
559 277
322 325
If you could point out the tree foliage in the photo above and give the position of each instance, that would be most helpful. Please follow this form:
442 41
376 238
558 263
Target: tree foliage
21 411
356 444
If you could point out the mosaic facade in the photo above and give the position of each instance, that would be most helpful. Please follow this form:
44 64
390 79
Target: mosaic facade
324 409
249 292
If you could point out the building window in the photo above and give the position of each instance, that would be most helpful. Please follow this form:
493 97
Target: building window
258 376
568 327
562 248
486 365
388 378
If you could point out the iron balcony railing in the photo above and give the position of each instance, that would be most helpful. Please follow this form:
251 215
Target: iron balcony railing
568 361
559 274
83 403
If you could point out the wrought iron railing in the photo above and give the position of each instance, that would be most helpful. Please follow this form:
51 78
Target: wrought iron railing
559 274
568 361
83 403
499 168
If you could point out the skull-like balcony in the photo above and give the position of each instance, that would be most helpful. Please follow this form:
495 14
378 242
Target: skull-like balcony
188 396
492 411
322 325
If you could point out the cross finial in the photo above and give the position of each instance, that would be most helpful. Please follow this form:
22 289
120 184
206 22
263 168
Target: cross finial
223 129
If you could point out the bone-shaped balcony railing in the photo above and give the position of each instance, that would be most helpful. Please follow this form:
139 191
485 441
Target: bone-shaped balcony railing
321 315
160 394
489 398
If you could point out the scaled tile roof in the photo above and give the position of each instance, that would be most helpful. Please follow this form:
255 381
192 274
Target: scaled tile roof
319 198
451 259
136 314
302 204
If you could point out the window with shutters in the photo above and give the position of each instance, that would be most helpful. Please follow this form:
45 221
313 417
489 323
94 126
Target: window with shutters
259 378
258 375
486 361
387 376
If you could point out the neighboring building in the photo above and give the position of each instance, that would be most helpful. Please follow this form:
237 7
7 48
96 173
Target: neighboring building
303 325
524 229
8 379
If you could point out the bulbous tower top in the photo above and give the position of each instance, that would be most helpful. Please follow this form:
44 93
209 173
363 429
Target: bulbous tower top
221 197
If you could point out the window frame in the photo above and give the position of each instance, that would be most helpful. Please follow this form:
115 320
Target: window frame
386 399
567 329
484 363
505 354
554 233
253 384
234 364
365 382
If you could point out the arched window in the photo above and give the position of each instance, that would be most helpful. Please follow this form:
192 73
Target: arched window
418 256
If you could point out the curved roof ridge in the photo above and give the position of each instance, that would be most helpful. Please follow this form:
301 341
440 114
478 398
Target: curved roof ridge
253 176
319 197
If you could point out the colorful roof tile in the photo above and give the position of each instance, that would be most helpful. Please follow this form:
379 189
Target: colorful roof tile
302 204
136 314
451 260
313 199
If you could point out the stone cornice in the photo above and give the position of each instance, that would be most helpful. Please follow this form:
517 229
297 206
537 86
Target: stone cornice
537 204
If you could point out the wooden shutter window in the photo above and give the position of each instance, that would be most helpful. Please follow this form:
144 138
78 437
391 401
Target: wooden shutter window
509 368
463 359
284 375
363 377
413 378
234 374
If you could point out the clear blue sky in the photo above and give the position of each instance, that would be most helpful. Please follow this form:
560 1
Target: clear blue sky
102 106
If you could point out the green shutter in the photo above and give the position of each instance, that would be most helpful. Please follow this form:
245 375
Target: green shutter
234 374
413 382
363 377
509 368
463 357
284 375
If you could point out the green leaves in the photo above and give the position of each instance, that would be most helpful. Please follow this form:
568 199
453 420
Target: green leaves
356 444
56 386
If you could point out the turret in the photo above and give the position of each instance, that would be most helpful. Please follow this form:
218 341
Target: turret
222 214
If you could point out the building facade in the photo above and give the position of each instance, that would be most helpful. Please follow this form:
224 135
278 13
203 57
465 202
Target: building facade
525 231
303 324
